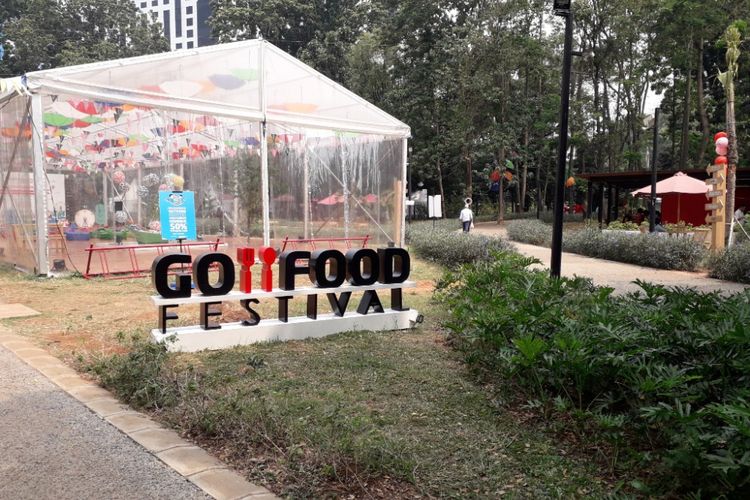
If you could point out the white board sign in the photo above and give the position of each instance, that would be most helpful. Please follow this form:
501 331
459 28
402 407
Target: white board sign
435 206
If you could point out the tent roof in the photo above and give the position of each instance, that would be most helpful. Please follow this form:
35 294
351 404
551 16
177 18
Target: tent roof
251 80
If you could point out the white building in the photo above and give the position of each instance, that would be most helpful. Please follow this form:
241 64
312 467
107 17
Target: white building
184 21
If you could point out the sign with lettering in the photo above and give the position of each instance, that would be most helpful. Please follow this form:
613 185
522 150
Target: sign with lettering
331 273
714 206
177 215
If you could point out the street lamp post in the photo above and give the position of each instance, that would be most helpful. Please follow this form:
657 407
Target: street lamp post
562 9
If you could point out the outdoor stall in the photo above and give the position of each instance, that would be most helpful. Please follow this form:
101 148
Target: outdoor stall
271 149
683 199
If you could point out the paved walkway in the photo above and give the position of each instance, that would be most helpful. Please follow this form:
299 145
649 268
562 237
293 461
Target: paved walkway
64 437
615 274
54 447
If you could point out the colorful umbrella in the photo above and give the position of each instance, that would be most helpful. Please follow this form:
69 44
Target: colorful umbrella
181 88
57 120
227 82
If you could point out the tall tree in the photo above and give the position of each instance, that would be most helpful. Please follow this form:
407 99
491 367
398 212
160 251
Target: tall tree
42 34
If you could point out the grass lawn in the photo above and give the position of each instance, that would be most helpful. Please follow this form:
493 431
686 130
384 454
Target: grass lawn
373 415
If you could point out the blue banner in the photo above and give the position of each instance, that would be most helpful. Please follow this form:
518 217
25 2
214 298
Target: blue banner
177 215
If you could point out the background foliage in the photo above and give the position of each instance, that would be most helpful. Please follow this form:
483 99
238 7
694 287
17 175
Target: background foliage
477 80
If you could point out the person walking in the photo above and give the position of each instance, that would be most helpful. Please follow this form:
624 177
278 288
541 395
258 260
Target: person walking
467 218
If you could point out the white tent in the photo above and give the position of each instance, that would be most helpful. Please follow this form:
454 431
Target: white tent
201 113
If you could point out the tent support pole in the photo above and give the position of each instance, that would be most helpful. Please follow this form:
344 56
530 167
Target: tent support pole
345 183
402 194
264 183
40 188
138 199
306 194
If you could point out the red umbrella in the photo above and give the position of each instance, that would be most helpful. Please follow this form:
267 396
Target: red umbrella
679 183
334 199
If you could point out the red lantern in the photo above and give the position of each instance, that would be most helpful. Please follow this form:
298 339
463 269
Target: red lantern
570 182
720 160
719 136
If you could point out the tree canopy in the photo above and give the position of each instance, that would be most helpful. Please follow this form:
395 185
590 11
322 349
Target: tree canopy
43 34
478 80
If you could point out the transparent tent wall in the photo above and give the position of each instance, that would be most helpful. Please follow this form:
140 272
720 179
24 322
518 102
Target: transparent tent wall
326 184
17 219
106 163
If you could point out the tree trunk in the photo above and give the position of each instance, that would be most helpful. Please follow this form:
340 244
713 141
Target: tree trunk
684 140
524 170
705 127
673 119
501 194
732 156
468 174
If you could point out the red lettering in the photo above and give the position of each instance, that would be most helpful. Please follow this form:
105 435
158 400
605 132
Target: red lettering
267 255
246 258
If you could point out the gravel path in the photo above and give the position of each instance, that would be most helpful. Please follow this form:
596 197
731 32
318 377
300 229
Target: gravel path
615 274
51 446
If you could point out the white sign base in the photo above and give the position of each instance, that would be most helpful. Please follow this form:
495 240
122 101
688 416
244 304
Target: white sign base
194 338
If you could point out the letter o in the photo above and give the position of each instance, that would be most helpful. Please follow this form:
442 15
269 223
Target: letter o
201 267
354 272
318 274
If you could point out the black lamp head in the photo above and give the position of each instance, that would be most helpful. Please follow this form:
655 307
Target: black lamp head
561 7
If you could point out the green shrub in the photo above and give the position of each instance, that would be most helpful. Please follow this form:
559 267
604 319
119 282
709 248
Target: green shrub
662 373
534 232
648 249
451 248
732 264
622 226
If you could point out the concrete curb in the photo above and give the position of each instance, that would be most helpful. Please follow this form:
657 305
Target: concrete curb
191 462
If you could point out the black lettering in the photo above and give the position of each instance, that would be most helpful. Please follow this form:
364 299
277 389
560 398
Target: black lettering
318 274
288 267
339 305
397 300
362 266
201 268
165 316
207 313
395 265
312 306
160 276
370 300
284 309
254 316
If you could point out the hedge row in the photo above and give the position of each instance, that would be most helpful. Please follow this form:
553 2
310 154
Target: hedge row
650 250
450 247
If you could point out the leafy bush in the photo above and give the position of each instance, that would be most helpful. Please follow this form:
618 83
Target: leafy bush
733 264
651 250
622 226
451 248
662 373
534 232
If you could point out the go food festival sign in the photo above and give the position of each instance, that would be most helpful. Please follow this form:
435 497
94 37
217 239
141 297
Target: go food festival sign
331 273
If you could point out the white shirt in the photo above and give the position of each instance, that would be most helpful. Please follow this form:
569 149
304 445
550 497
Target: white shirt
466 215
739 215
